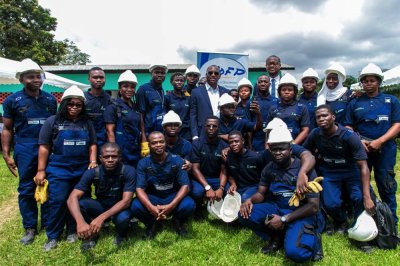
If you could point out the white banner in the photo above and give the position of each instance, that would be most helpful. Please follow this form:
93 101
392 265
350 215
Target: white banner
233 66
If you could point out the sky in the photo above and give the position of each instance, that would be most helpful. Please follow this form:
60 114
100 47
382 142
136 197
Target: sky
303 34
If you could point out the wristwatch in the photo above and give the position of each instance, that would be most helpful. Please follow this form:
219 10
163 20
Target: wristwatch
207 187
283 219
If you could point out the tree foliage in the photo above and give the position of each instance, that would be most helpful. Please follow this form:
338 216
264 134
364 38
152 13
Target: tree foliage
26 32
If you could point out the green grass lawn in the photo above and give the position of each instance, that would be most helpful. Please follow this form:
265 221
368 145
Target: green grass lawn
209 242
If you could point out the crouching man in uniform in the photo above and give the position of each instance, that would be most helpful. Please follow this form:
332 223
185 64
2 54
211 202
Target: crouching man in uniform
294 227
162 189
114 185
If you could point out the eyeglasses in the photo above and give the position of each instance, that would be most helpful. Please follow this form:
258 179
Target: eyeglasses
213 72
77 105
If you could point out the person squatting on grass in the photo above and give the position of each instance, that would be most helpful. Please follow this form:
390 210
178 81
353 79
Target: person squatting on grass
163 187
114 185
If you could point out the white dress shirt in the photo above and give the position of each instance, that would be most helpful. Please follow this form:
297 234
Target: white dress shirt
277 79
213 94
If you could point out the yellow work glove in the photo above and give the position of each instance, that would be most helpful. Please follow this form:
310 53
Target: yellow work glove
144 149
314 186
41 192
295 199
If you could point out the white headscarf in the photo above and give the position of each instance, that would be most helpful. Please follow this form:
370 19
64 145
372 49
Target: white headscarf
326 94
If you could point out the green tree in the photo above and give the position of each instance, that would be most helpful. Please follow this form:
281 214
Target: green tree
74 56
26 32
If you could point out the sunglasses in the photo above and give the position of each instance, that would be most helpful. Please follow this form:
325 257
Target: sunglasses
213 72
77 105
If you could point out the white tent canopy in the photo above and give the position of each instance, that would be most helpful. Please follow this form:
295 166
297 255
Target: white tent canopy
392 76
8 69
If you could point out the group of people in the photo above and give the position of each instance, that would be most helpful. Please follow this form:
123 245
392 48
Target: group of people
163 155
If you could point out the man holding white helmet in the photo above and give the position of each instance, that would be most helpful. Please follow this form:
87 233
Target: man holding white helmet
308 98
375 116
25 112
293 113
192 75
296 227
343 165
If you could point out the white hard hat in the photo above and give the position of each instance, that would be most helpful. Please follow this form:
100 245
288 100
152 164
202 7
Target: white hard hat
336 68
73 92
275 123
310 73
192 69
365 228
226 99
279 135
127 76
230 207
288 79
161 65
171 117
371 70
28 65
244 82
215 208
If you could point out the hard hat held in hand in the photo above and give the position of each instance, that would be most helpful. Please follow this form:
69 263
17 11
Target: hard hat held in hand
230 207
364 229
275 123
127 76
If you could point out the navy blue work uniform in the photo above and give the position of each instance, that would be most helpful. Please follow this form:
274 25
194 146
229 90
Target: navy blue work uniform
311 104
95 107
301 236
108 189
245 169
241 112
265 103
182 148
180 105
209 156
294 114
372 118
242 125
150 99
337 163
28 115
161 183
127 129
339 106
69 159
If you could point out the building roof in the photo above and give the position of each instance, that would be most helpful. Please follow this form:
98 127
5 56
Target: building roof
255 66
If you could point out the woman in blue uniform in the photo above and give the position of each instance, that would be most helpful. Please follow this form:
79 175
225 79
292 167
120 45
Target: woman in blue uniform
124 124
67 147
376 118
293 113
333 93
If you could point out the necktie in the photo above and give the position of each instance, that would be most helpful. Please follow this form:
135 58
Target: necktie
273 90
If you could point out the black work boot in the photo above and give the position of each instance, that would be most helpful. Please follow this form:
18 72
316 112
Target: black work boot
152 231
272 247
319 255
28 237
180 227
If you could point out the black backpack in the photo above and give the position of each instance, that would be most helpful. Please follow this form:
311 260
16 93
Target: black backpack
387 230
